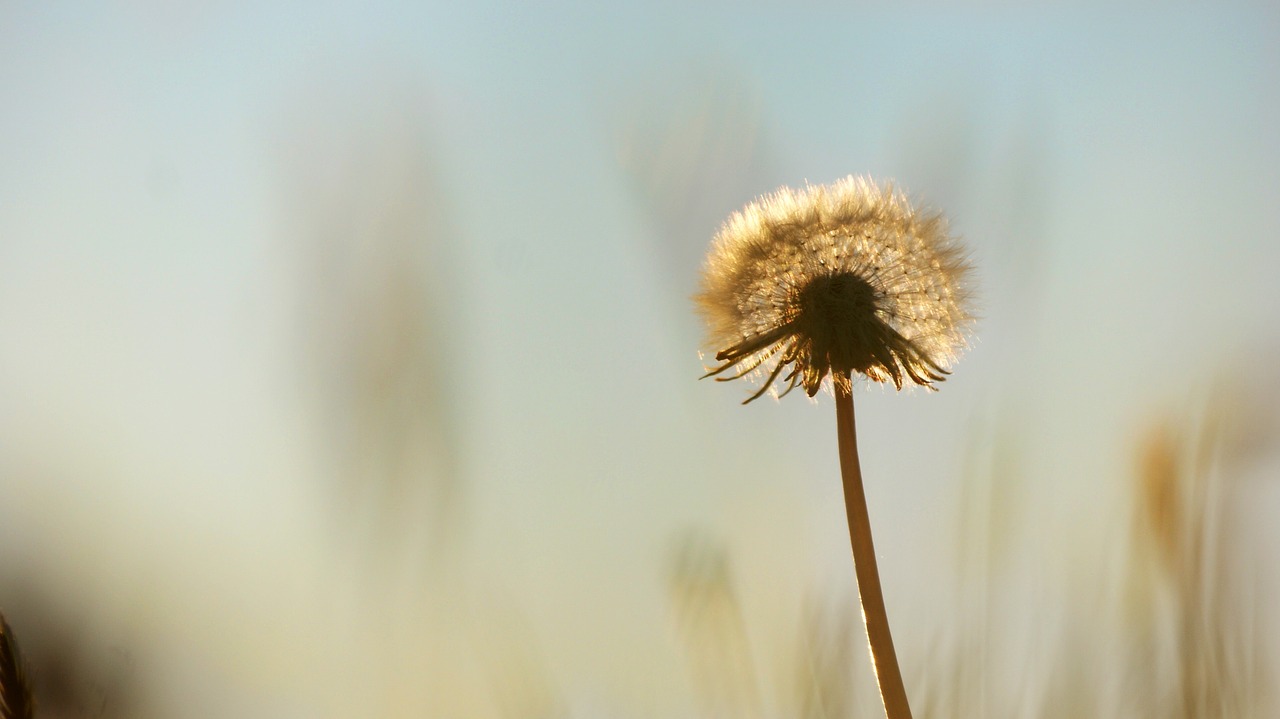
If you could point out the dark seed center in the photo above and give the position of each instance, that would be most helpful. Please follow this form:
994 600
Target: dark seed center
836 299
836 319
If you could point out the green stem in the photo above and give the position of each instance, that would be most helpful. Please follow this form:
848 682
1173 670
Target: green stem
883 658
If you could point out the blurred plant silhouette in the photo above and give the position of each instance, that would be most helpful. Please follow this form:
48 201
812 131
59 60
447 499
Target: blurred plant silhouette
372 241
714 633
65 666
15 695
1192 587
828 639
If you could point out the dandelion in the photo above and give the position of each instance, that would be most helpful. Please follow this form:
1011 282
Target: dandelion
825 284
833 280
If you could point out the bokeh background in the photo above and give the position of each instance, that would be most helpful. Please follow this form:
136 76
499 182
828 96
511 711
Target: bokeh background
348 366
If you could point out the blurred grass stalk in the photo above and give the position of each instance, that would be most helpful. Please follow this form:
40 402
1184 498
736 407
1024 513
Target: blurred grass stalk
15 693
1182 529
713 630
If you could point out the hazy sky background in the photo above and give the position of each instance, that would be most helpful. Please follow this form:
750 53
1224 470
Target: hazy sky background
201 206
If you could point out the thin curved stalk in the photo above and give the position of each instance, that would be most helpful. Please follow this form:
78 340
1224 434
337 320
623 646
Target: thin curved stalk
883 658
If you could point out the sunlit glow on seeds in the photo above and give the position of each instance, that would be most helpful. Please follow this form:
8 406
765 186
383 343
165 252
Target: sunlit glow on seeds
805 285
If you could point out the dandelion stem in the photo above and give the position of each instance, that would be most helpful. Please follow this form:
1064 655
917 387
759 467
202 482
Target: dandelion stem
883 658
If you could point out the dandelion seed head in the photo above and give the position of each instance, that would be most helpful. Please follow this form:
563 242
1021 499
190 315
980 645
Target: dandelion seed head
808 286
